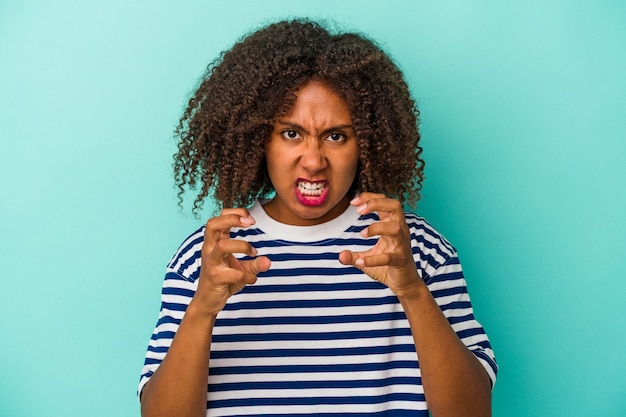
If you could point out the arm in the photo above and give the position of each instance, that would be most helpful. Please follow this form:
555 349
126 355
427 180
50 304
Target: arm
455 383
179 386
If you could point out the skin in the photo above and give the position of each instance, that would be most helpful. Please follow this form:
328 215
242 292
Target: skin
314 142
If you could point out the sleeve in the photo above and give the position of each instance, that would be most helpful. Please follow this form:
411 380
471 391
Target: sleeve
179 287
449 288
176 293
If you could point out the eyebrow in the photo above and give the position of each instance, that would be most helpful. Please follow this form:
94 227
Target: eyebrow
299 128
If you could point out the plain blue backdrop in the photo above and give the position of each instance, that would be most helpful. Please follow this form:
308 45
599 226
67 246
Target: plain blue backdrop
523 108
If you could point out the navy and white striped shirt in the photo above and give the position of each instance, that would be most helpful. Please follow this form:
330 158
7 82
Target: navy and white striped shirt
313 336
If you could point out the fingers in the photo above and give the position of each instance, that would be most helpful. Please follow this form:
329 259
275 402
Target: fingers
249 270
221 273
257 265
225 247
387 208
389 229
356 259
230 276
218 262
347 257
390 211
360 260
218 246
391 255
245 274
219 249
219 227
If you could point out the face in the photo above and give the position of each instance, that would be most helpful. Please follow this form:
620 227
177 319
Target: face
312 157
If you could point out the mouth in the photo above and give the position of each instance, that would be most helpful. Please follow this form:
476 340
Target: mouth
311 193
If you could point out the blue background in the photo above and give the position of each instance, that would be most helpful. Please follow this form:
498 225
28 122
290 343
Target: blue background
523 107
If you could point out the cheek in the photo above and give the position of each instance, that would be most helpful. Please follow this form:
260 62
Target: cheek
355 161
350 170
272 157
277 164
355 168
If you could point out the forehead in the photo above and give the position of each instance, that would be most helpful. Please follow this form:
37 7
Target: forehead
316 98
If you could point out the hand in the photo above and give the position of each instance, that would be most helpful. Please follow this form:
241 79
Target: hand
221 274
390 261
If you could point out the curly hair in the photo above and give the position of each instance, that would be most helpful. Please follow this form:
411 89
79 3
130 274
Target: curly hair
244 91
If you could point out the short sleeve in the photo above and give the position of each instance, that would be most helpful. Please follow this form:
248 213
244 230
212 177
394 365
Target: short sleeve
176 293
449 289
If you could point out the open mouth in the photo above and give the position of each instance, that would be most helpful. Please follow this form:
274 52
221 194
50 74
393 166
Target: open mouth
311 193
313 189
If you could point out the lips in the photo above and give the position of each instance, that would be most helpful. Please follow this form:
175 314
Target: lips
311 193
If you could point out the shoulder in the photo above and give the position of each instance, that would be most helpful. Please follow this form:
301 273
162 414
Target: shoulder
186 260
430 247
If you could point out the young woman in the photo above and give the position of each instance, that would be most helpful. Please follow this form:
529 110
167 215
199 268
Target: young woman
312 292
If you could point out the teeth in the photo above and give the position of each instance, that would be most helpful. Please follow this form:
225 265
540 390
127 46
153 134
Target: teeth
311 188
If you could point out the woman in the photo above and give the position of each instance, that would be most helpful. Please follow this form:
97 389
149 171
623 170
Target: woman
312 292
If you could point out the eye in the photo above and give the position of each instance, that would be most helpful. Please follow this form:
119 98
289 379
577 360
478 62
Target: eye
290 134
336 137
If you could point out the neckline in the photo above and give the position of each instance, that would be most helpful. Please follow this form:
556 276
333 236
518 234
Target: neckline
319 232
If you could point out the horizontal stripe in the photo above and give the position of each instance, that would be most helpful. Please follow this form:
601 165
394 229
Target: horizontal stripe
319 344
168 320
314 271
304 320
348 394
385 413
295 361
178 291
322 303
385 409
299 297
343 384
356 241
316 369
268 401
335 376
310 328
174 306
341 353
274 337
337 310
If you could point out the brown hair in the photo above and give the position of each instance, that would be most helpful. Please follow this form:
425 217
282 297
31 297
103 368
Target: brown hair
226 123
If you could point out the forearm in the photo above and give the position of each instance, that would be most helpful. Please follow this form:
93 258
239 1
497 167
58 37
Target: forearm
455 383
178 388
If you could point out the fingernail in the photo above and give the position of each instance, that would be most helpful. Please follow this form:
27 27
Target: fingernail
361 208
254 251
354 200
359 262
246 221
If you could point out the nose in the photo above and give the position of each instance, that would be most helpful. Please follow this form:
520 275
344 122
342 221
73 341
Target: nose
313 157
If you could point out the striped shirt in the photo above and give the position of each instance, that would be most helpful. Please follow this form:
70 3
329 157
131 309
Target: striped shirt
313 336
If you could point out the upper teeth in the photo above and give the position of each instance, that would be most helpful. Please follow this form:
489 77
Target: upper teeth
313 188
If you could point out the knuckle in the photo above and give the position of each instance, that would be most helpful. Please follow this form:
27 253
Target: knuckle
221 245
210 224
396 228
